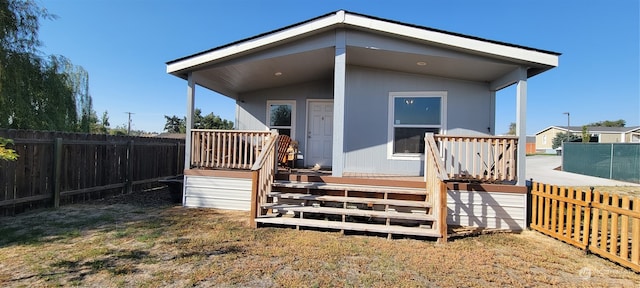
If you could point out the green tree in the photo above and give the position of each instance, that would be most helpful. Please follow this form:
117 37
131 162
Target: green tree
176 124
586 137
103 125
563 137
608 123
37 92
212 121
512 129
7 154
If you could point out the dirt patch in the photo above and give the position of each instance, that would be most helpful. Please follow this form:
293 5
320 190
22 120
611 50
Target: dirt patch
145 240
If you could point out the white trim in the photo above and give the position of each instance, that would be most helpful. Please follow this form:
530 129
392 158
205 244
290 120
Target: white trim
341 18
453 40
293 115
251 44
306 128
443 121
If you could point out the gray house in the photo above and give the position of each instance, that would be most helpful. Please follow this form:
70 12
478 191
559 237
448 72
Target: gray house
359 94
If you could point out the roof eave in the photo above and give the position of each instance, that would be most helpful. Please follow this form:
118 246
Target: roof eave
543 60
317 24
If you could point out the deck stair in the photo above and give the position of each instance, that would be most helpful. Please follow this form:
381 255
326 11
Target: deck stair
390 210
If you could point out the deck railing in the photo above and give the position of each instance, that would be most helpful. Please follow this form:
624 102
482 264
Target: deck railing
263 173
484 158
436 188
226 148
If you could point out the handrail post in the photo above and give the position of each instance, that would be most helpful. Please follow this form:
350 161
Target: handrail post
443 212
255 181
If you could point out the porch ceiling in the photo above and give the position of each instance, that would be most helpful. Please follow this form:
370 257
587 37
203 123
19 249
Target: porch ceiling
236 77
242 76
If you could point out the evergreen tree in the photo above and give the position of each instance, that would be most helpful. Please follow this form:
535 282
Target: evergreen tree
176 124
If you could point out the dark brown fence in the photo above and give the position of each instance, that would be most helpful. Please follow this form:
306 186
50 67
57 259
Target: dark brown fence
56 168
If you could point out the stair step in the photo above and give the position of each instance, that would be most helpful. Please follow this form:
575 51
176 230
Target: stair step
373 201
349 187
355 212
390 229
270 215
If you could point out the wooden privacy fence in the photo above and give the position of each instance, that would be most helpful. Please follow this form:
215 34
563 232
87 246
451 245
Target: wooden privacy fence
226 148
485 158
56 167
607 225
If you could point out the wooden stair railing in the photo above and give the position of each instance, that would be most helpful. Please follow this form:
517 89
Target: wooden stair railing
435 176
263 173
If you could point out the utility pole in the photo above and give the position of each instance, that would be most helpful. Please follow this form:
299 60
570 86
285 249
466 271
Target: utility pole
129 129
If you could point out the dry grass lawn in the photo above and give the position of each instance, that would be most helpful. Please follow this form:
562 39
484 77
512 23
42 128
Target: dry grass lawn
633 191
115 244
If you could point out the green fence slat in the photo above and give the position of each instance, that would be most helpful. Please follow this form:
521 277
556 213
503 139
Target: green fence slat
619 161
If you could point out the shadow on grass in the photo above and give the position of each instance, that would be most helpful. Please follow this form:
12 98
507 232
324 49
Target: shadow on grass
65 224
116 262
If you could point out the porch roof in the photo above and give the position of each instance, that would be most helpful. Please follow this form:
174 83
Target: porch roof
305 52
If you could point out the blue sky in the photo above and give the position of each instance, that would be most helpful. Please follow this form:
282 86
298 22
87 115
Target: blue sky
124 45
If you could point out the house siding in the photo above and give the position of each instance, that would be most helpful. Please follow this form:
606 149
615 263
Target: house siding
217 192
487 209
252 111
541 145
367 122
610 137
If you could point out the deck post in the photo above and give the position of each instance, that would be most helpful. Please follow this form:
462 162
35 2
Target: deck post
521 123
255 183
191 93
340 70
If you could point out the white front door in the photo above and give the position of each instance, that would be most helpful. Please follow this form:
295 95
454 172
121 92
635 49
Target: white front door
319 133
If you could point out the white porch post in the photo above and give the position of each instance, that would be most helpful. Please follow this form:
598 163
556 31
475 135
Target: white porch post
521 125
191 93
340 68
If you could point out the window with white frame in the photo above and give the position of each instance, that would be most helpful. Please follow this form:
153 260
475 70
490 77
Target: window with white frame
281 116
411 115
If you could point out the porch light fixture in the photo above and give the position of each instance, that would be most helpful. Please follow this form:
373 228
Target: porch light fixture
278 73
408 101
421 63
